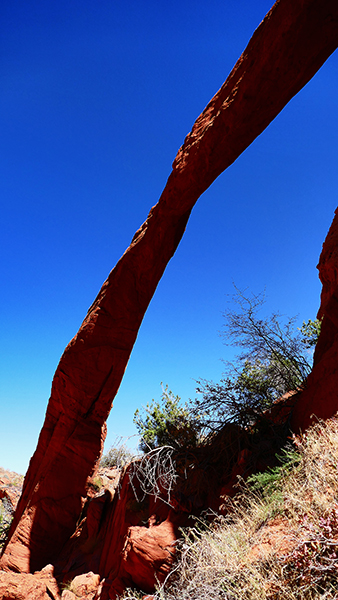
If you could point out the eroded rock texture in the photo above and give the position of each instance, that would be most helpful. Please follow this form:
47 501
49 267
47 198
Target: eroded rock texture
286 50
320 398
23 586
123 541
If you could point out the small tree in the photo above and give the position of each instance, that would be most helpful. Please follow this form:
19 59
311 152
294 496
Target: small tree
272 341
275 359
166 423
273 362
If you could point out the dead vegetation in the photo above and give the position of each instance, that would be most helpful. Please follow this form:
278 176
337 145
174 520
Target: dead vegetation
279 540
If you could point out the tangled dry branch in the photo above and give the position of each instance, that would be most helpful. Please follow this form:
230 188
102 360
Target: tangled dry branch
155 473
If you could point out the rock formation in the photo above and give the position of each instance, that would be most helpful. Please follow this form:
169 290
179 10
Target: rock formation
286 50
122 540
130 539
25 586
320 398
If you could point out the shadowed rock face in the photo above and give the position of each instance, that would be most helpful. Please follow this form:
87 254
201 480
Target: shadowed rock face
286 50
320 398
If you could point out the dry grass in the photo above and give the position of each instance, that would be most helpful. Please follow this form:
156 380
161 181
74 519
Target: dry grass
277 543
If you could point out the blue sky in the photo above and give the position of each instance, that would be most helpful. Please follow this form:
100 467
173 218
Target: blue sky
96 98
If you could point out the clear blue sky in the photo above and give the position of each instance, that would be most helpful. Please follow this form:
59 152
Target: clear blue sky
96 98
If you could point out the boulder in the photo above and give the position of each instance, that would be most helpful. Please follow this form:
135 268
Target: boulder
25 586
83 586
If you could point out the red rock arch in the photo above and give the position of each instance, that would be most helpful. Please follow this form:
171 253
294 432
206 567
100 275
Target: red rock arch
286 50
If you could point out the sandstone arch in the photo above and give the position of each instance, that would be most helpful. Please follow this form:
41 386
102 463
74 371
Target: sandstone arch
286 50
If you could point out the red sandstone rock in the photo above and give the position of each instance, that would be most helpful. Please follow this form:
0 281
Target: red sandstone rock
68 595
320 398
129 540
84 586
287 49
7 494
22 586
148 554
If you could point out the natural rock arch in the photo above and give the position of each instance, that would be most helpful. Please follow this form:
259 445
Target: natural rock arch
286 50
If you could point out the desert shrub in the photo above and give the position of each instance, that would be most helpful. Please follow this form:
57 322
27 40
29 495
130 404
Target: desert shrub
268 484
273 341
119 455
166 423
314 562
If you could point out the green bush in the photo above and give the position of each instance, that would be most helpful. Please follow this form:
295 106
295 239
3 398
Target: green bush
166 423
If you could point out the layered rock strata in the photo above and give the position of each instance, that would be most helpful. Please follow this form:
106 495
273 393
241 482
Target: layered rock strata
286 50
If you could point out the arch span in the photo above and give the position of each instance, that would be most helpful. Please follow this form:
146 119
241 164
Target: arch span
286 50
